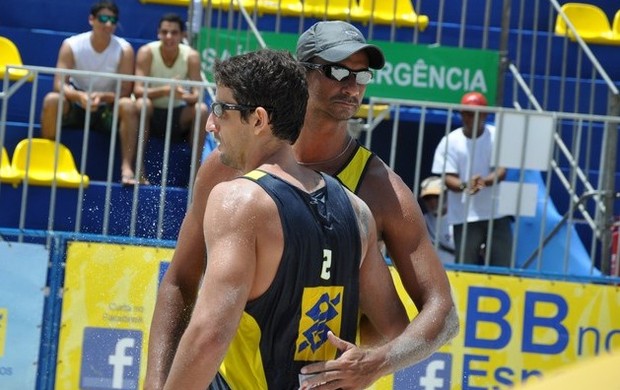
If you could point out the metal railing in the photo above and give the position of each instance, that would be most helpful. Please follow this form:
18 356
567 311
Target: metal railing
34 99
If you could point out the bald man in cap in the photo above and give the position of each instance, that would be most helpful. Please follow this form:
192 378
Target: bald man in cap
465 155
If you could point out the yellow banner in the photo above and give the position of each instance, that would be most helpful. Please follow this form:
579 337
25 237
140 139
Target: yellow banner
514 328
511 328
108 301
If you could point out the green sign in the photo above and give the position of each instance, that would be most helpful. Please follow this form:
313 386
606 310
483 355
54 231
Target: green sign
416 72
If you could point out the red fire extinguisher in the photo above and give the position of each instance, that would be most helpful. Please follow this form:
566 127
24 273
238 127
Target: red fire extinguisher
614 269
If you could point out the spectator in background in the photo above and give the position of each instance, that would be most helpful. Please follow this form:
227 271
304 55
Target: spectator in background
171 59
465 155
98 50
438 227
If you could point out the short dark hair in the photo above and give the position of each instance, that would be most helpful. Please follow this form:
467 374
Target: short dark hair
173 18
106 4
271 79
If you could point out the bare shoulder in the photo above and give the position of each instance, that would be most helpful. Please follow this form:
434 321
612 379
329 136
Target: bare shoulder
193 53
384 191
145 51
210 173
128 48
65 56
239 203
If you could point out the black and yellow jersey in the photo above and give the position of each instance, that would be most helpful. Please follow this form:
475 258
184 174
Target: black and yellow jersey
315 290
352 173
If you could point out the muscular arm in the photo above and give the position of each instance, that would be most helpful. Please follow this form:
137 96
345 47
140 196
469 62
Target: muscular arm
407 241
379 300
230 226
66 61
177 292
193 73
143 68
126 66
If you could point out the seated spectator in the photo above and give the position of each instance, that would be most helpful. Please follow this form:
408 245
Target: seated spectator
441 234
98 50
171 59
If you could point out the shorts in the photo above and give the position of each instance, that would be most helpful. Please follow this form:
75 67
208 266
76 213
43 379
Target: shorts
100 120
159 120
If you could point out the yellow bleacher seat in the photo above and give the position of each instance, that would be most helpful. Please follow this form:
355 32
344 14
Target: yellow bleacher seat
335 9
615 27
385 12
590 21
7 173
284 7
42 153
9 55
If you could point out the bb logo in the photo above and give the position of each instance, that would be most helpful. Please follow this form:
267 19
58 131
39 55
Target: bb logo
4 320
320 308
110 359
434 373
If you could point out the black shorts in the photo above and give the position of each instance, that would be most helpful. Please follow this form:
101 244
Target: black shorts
100 120
159 120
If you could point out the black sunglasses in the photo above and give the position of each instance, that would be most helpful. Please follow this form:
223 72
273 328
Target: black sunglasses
341 73
107 18
218 108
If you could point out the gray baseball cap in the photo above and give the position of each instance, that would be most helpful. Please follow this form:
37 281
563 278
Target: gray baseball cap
334 41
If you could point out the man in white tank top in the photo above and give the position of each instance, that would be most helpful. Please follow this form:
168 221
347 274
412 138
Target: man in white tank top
168 58
98 50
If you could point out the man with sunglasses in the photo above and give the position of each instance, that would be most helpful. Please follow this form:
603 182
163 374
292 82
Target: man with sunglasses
341 59
98 50
293 259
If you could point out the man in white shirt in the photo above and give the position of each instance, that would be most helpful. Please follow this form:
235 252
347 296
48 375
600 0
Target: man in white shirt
465 156
98 50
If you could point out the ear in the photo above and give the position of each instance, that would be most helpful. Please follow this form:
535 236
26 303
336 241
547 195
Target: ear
261 121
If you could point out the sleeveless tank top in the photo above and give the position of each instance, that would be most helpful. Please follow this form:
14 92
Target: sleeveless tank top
352 173
315 290
178 70
86 58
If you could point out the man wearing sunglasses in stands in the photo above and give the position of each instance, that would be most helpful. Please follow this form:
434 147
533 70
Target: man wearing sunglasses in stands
98 50
338 62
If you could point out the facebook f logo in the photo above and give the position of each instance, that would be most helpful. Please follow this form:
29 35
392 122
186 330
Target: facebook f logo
434 373
110 359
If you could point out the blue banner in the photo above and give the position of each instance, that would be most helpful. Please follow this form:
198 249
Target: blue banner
23 271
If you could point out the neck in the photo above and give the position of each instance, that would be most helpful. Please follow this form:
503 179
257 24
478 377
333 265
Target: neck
170 55
100 41
470 134
320 139
282 163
